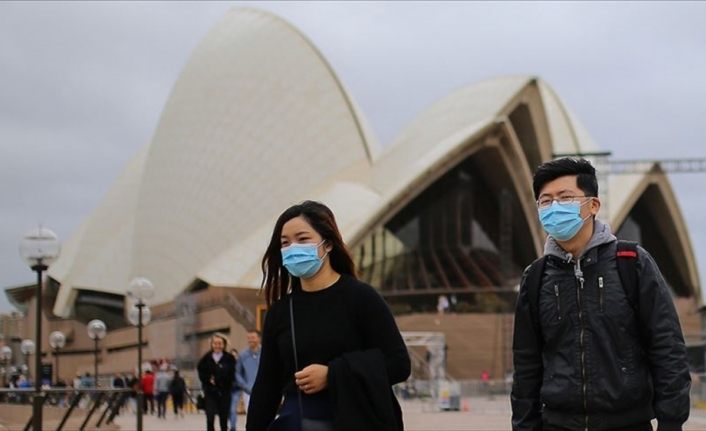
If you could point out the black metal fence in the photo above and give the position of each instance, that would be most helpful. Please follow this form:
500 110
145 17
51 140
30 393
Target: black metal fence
102 404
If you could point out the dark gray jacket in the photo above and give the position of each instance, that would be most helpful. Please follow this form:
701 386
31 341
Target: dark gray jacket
596 362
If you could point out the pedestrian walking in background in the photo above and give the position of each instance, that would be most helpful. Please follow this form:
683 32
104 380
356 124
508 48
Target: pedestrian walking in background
177 390
442 304
217 374
87 381
134 385
147 385
247 365
330 344
235 394
597 342
119 382
76 383
161 390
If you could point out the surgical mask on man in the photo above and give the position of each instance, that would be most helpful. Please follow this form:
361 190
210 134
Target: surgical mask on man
562 221
302 260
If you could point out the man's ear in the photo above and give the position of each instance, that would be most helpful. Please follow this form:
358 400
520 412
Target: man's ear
595 206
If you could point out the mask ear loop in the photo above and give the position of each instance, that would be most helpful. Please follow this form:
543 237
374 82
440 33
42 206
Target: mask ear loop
327 251
590 198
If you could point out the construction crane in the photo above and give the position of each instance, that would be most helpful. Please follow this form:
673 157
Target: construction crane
637 166
607 167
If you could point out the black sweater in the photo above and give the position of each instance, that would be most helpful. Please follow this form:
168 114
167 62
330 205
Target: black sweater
223 373
348 316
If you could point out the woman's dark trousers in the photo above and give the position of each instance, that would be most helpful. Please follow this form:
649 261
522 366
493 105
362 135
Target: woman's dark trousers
217 405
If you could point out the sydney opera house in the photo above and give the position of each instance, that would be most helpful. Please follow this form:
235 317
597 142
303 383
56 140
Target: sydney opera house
258 120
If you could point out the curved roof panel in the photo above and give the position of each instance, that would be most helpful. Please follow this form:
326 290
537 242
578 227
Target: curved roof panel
257 110
624 193
567 133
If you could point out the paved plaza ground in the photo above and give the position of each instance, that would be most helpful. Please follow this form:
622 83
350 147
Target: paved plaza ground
481 414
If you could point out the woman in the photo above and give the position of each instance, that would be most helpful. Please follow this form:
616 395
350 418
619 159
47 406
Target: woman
217 371
346 338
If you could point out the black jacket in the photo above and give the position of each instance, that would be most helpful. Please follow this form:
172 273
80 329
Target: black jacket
361 393
596 362
177 386
223 373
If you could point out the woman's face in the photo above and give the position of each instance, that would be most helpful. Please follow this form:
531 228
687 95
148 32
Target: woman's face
217 344
298 230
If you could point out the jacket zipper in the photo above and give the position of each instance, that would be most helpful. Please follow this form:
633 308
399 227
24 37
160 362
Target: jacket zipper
579 287
558 302
600 291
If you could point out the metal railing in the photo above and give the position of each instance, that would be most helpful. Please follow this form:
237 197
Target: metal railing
110 400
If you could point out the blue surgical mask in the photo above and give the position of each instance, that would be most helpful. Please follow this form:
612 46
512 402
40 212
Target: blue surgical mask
562 221
302 260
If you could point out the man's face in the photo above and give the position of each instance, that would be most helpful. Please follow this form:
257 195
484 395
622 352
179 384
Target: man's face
253 340
566 187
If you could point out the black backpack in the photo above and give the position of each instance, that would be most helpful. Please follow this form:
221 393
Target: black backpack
626 255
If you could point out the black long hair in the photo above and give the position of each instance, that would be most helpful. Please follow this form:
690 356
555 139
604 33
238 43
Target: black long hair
276 280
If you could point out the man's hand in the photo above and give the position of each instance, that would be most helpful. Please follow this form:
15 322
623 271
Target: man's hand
312 379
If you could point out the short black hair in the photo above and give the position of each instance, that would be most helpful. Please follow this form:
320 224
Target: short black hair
583 170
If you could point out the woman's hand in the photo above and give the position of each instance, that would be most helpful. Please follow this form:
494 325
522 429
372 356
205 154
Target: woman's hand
312 379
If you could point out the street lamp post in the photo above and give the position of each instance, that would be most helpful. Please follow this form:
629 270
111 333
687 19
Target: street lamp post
57 341
5 357
39 248
28 348
140 290
96 331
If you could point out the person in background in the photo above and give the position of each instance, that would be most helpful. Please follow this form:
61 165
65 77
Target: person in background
177 389
61 397
77 381
120 383
246 369
161 390
133 384
87 381
217 373
147 385
235 395
442 306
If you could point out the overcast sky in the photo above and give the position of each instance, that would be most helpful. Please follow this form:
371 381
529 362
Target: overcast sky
82 85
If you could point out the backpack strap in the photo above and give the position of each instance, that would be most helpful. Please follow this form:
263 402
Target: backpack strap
626 255
533 284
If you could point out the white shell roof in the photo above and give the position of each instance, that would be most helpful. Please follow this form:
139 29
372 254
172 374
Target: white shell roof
256 122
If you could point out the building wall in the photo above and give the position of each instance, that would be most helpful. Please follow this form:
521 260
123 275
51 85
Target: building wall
118 351
690 318
477 341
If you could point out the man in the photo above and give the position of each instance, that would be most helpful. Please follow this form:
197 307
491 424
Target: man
216 371
177 389
161 390
248 363
585 356
119 382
